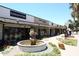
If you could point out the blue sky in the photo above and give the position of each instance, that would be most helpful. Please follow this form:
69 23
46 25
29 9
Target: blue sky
58 13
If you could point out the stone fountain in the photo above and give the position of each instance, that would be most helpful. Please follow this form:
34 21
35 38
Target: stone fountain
32 45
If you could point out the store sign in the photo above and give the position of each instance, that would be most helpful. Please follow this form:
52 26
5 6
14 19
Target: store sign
17 14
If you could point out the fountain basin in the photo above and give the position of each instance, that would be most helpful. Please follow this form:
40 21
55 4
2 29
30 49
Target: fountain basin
25 46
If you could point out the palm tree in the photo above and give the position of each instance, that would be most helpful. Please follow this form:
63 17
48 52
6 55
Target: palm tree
75 14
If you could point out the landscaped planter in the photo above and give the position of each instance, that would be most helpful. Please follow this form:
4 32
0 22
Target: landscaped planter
26 47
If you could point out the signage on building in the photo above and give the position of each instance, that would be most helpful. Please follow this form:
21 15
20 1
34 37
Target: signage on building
17 14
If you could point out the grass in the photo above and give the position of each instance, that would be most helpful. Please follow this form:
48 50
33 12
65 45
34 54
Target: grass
55 52
72 42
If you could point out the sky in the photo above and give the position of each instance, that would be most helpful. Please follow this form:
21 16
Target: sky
58 13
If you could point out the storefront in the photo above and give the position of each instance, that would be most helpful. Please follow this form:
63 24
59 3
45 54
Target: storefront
15 26
15 34
12 33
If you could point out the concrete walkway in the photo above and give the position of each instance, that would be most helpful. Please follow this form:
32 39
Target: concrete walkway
17 50
1 54
69 51
13 51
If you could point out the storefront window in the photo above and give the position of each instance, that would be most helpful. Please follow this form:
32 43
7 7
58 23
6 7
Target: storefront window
13 34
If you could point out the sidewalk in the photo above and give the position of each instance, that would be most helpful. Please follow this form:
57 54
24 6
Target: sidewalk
69 51
1 54
16 49
13 51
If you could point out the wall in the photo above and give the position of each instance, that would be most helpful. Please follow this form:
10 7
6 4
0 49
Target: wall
16 25
29 18
1 31
40 21
5 12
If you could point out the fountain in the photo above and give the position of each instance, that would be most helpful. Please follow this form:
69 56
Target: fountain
32 45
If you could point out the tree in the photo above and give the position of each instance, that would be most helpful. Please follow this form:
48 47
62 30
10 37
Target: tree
75 15
71 24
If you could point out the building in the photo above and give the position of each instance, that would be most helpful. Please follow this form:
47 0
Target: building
15 26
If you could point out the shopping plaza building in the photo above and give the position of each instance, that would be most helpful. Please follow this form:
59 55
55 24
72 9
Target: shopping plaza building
15 26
